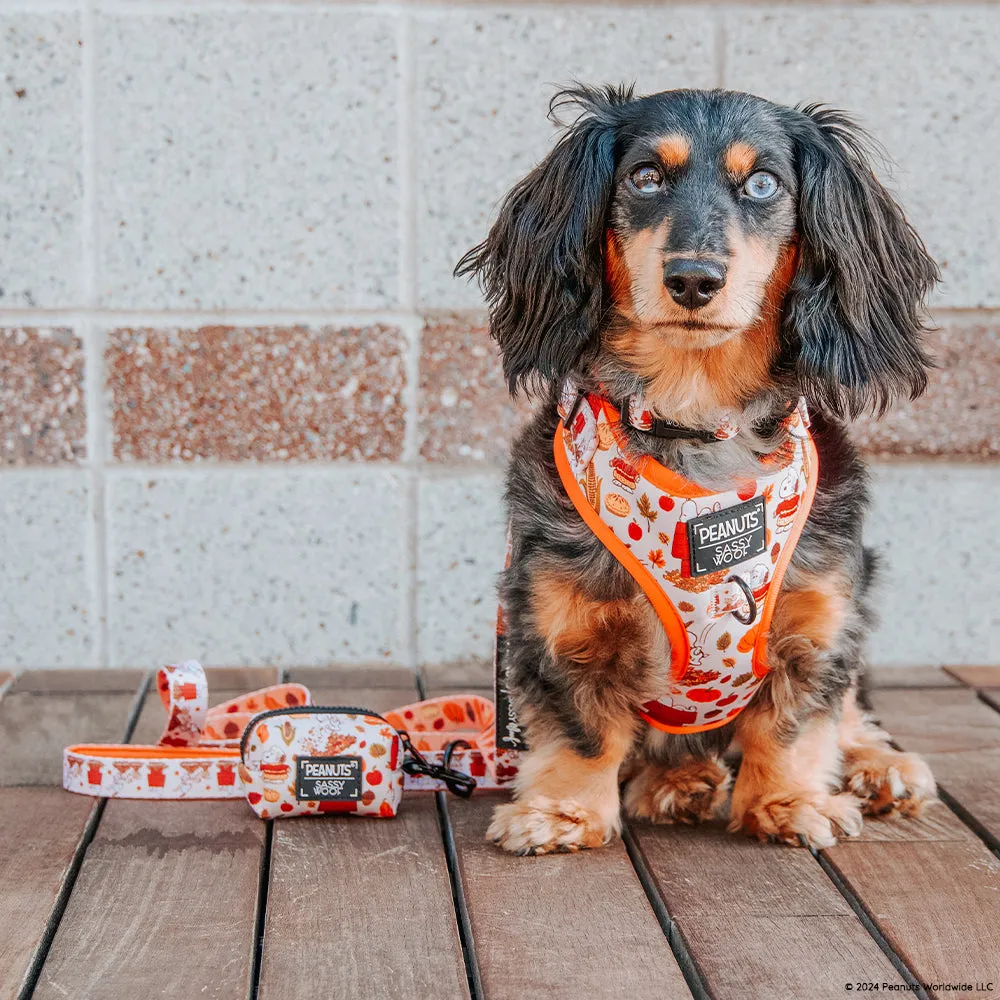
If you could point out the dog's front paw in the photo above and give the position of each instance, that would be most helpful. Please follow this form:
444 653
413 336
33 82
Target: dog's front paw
688 793
541 825
886 780
795 818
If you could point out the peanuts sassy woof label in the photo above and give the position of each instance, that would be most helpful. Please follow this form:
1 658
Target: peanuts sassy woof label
727 537
328 779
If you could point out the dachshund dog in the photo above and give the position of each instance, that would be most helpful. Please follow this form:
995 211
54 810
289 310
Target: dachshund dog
720 257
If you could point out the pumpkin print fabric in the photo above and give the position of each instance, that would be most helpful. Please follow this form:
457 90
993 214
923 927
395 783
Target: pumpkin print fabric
640 511
199 755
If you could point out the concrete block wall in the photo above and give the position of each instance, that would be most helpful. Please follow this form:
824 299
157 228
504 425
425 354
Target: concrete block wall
246 413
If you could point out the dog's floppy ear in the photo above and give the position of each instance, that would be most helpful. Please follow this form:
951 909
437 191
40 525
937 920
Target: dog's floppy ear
540 267
854 313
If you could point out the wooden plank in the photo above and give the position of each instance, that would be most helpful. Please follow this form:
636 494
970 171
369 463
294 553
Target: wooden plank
979 677
42 828
83 681
352 678
959 736
907 676
40 715
467 675
733 898
559 926
942 721
937 904
375 893
199 861
164 906
933 888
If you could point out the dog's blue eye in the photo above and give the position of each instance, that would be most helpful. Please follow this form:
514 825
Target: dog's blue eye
761 185
646 179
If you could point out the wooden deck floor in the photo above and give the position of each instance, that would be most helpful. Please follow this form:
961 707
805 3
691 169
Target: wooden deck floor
191 900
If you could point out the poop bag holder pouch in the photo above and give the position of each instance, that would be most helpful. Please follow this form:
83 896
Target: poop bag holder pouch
314 760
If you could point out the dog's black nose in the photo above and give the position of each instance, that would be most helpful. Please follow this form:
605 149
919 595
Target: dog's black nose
693 283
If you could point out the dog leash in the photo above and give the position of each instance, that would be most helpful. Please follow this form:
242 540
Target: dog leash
446 741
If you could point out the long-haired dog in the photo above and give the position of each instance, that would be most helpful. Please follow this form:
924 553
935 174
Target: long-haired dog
719 255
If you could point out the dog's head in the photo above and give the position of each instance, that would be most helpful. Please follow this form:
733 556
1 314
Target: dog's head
709 225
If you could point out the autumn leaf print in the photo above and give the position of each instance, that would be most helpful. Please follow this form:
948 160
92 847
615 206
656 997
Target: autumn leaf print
646 509
656 558
664 537
741 680
685 606
593 488
724 641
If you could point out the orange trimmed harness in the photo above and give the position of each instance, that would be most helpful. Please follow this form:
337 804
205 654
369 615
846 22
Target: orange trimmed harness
711 563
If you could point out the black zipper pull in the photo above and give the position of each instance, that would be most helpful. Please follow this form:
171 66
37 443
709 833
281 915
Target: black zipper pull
462 785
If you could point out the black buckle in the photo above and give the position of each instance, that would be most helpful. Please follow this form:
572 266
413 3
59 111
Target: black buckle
462 785
668 430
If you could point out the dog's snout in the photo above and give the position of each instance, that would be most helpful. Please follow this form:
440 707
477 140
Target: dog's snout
693 283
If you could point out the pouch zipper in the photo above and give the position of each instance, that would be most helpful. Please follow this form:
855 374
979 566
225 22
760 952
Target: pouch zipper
460 784
310 710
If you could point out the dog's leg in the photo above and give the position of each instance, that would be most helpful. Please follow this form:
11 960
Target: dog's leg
563 801
578 703
787 785
785 789
689 792
884 779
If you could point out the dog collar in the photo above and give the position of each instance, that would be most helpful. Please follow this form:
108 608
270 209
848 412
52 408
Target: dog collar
639 416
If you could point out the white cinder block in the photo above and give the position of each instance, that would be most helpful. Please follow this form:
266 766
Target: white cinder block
937 527
40 152
483 86
461 551
302 567
48 612
247 160
924 80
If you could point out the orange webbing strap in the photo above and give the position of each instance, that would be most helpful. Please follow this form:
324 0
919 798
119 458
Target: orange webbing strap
198 755
198 752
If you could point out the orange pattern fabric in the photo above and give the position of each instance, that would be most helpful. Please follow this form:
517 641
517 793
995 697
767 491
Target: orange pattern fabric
199 755
649 517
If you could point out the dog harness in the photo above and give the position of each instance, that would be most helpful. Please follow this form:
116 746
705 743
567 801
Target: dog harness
711 563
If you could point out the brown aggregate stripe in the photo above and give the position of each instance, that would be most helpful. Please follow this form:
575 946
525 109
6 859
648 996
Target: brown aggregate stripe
41 826
466 414
257 393
361 908
42 410
199 862
559 926
760 920
959 415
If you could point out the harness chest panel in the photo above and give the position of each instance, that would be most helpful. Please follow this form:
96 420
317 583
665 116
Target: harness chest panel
711 563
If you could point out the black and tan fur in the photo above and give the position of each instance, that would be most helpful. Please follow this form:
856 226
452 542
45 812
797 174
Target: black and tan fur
822 296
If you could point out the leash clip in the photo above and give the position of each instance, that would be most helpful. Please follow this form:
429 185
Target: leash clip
462 785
